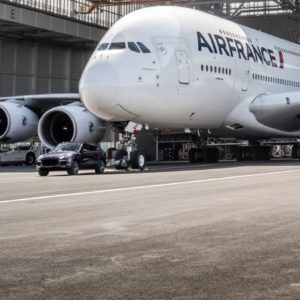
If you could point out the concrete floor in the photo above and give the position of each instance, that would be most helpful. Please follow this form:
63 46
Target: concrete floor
225 231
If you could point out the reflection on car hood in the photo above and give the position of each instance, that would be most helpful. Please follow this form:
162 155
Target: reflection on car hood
56 154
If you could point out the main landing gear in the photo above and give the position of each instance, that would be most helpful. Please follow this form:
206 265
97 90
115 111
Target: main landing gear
296 152
207 152
254 153
202 153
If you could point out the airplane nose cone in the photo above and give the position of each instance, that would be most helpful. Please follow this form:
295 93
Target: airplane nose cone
98 88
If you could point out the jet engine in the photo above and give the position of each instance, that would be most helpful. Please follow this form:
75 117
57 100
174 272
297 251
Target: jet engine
17 122
70 123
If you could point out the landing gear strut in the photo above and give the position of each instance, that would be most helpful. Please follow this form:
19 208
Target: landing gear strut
254 153
128 155
205 154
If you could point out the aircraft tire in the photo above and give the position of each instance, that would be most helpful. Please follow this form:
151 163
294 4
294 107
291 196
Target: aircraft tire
137 160
262 153
213 154
240 154
295 152
193 155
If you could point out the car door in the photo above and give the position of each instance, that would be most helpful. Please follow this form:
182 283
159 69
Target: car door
88 158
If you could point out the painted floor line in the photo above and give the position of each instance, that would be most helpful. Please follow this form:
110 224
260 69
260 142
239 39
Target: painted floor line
149 186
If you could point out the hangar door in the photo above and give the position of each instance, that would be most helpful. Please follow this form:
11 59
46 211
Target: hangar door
183 66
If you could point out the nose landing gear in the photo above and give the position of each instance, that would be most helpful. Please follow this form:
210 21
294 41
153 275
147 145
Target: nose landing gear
128 155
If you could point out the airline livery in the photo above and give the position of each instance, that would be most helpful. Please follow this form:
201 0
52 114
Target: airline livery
172 67
179 68
230 46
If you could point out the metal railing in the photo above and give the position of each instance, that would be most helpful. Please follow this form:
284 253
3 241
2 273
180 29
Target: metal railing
104 17
259 8
238 8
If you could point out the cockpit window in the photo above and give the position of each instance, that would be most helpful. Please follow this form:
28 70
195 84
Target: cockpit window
114 46
135 47
143 48
132 46
103 46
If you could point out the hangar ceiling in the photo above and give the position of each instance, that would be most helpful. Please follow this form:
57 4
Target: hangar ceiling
277 17
230 8
235 8
56 41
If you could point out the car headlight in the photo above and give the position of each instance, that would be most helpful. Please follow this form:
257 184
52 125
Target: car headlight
67 157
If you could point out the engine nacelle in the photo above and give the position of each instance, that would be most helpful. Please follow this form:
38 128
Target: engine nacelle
70 123
17 122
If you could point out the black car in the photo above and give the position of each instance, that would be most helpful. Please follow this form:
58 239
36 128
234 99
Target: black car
72 157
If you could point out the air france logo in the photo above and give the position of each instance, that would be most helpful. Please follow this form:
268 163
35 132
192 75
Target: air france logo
232 47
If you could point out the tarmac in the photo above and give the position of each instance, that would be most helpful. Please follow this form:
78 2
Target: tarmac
175 231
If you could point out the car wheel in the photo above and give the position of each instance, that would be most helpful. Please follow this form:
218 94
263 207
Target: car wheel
30 159
74 169
137 159
43 173
100 167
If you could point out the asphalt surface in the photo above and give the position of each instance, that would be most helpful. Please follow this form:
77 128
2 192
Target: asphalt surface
175 231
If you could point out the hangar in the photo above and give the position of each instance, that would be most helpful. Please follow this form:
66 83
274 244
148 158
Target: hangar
219 231
44 45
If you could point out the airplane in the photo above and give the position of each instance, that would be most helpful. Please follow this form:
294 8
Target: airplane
176 68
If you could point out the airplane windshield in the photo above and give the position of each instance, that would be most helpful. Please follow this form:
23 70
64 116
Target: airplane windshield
133 46
143 48
114 46
103 46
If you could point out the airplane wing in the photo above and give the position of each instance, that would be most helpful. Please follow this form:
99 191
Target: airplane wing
44 100
53 117
280 111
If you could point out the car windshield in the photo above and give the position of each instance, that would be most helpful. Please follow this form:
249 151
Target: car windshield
67 147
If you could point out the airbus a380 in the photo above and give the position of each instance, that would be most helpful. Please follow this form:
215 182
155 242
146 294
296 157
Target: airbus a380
172 67
178 68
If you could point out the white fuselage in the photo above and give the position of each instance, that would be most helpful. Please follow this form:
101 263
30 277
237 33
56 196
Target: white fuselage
202 72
